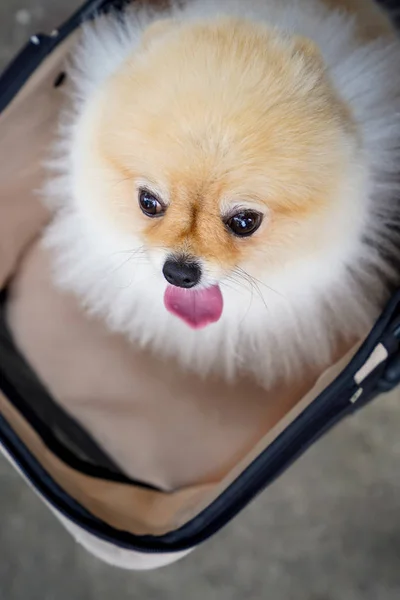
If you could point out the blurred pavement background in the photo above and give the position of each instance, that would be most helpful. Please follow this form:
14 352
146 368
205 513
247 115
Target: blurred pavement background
329 529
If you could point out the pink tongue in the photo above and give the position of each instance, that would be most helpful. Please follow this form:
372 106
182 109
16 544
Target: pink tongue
198 308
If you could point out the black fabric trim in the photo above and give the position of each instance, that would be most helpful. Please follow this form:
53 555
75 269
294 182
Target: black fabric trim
327 410
58 431
189 536
32 55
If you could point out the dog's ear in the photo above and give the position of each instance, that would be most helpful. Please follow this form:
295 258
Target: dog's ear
156 30
306 48
312 60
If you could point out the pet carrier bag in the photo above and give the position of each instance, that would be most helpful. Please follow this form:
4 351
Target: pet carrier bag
139 461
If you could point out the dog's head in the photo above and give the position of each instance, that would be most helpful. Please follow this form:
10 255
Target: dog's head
224 151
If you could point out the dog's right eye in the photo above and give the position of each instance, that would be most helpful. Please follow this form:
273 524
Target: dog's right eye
150 204
244 223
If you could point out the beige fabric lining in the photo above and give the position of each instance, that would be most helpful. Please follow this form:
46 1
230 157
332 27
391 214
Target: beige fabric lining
26 128
162 426
124 507
137 510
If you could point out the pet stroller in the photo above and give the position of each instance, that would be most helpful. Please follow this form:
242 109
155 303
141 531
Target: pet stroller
128 455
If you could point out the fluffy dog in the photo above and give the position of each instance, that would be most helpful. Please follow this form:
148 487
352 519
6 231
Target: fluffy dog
225 179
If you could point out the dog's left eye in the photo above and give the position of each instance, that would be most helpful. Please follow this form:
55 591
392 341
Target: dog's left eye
150 204
244 223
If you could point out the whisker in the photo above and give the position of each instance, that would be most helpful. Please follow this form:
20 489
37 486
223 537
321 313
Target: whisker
259 282
226 285
133 255
140 281
253 284
241 281
236 280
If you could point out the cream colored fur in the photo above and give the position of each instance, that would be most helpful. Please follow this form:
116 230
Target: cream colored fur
274 322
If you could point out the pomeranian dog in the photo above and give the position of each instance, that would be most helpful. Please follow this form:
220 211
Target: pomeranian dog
225 179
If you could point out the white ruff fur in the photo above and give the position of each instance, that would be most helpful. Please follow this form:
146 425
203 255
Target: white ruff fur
267 333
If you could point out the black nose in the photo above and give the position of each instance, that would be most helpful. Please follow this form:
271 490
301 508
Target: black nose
181 274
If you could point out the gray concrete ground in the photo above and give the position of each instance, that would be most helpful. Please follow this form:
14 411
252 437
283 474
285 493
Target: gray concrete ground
329 529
